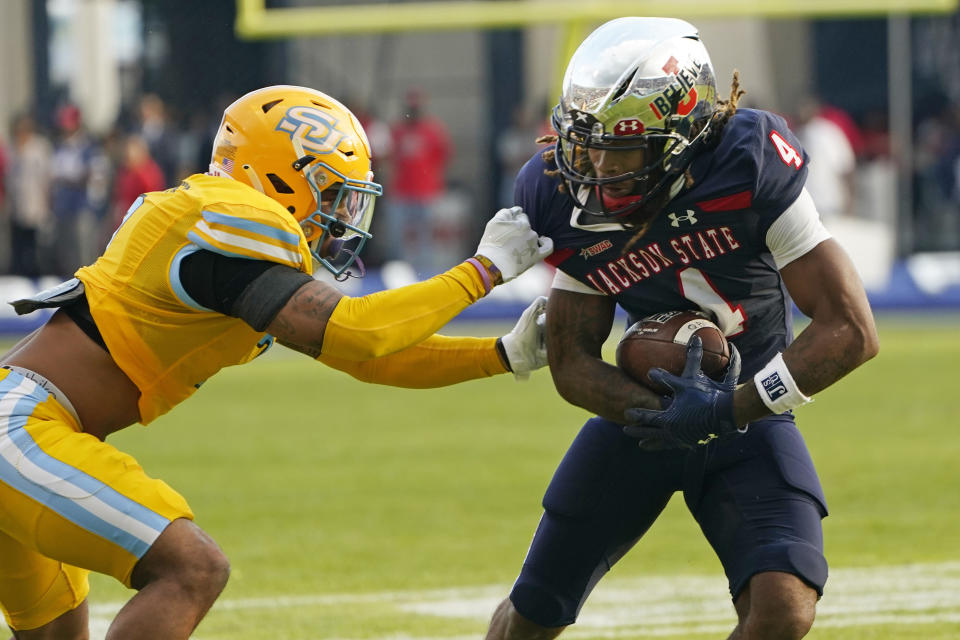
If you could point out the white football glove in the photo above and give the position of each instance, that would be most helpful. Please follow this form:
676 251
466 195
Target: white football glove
526 344
511 245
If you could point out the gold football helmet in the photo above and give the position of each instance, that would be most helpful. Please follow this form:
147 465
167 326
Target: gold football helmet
309 153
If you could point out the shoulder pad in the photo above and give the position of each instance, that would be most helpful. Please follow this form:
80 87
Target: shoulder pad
759 154
540 197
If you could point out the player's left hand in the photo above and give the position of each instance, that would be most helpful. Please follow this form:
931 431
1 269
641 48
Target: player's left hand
526 345
701 408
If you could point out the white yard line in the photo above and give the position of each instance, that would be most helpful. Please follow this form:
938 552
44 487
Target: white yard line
659 605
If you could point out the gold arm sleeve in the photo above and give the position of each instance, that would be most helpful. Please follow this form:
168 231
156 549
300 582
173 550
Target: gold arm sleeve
438 361
382 323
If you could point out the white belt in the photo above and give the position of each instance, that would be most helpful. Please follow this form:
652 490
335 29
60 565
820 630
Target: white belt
47 386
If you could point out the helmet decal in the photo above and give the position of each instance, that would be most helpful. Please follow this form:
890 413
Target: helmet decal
682 92
315 130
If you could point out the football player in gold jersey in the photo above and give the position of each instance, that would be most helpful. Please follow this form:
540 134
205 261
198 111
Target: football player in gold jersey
196 278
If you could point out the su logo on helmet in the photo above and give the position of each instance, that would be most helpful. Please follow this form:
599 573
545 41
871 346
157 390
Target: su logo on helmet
316 130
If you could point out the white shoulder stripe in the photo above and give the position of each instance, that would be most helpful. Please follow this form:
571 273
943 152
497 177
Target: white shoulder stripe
255 246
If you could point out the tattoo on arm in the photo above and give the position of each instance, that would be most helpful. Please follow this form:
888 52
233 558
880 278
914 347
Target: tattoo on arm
577 327
301 323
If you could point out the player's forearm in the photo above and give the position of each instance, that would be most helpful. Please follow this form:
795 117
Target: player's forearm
389 321
436 362
319 319
601 388
822 354
826 351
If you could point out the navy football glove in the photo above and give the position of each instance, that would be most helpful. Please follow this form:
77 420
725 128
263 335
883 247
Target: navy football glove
701 408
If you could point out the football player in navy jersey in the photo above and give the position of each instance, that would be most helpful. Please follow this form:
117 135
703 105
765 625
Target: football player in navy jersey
660 197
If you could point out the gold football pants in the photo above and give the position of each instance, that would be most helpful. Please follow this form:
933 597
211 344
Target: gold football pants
69 504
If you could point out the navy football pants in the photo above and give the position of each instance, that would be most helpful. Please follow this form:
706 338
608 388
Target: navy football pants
756 497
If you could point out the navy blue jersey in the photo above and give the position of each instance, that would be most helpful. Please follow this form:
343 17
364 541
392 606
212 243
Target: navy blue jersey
705 250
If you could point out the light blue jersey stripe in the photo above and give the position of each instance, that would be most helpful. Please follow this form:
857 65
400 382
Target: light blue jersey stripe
266 230
174 278
68 507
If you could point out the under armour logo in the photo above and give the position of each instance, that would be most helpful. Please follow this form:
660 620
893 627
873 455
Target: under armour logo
628 126
520 255
675 220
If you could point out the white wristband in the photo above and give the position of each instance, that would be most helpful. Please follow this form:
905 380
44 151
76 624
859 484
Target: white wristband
777 388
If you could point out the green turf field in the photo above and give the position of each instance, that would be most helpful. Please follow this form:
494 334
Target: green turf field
359 511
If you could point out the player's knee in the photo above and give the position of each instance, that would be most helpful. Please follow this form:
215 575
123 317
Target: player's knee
782 623
783 608
186 555
209 571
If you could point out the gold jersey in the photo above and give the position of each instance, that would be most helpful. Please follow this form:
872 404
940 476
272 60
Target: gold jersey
164 341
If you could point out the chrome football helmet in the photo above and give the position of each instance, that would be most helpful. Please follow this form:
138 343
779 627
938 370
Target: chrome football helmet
309 153
638 97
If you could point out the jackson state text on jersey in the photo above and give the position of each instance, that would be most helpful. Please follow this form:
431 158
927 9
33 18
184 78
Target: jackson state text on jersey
706 249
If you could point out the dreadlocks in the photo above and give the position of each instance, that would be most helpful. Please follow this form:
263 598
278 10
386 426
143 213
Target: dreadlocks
726 108
548 156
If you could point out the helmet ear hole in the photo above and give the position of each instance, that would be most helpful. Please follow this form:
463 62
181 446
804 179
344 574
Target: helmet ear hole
278 183
292 209
270 105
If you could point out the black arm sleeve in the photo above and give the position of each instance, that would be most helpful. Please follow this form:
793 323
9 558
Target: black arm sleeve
252 290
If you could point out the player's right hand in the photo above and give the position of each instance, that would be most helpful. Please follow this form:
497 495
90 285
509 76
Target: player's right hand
700 410
511 245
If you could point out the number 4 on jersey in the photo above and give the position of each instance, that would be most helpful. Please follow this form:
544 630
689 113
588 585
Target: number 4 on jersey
787 153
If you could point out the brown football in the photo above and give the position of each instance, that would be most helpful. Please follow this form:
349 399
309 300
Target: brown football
661 341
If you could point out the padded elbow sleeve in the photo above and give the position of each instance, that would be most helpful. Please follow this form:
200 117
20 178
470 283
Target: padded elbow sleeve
385 322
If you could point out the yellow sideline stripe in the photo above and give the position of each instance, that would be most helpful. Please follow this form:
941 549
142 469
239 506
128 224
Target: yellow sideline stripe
255 21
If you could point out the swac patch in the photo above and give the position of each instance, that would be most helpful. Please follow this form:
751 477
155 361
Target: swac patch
596 249
314 129
628 127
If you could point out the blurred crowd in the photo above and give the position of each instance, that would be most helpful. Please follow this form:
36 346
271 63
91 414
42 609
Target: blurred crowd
855 164
64 191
